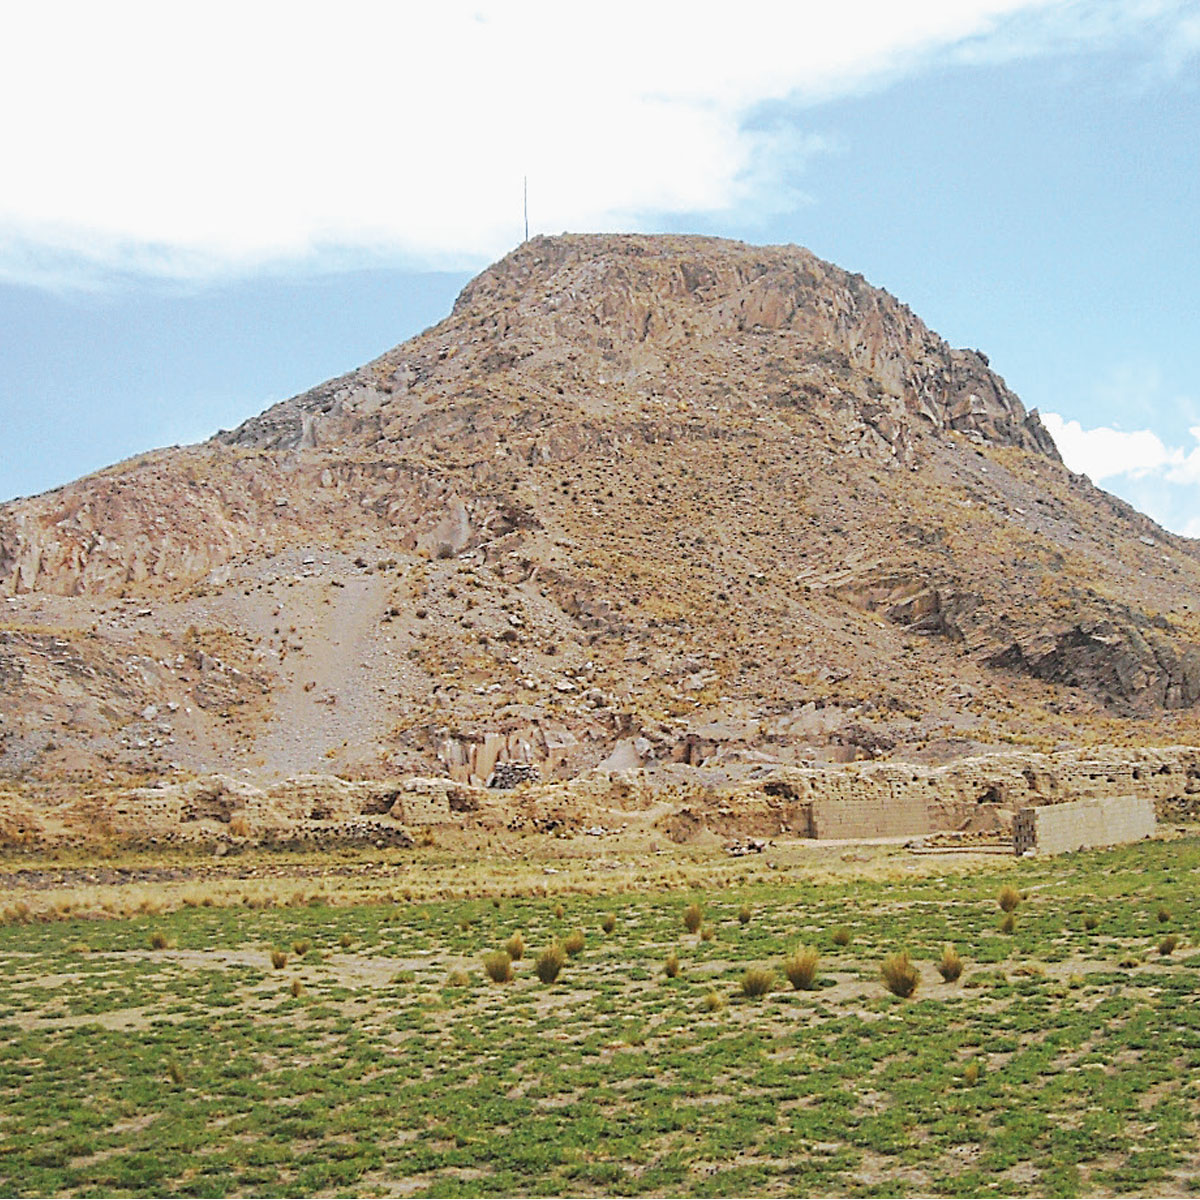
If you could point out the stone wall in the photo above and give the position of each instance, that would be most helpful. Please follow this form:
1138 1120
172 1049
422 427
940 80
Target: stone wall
1076 825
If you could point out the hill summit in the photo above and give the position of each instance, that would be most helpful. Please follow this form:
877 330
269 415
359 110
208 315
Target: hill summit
637 501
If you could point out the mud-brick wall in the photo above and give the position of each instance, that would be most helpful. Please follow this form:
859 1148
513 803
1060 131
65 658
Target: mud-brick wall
1078 824
871 816
426 806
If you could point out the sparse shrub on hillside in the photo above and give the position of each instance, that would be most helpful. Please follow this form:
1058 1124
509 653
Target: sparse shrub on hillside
515 946
609 923
574 942
757 981
498 966
279 959
239 825
1009 898
345 941
745 913
950 965
297 988
671 966
458 979
900 975
841 936
175 1072
1168 944
550 962
801 969
1164 914
707 932
159 940
971 1073
1090 922
714 1002
692 916
1008 923
301 946
558 911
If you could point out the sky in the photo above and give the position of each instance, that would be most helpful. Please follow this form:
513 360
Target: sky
207 208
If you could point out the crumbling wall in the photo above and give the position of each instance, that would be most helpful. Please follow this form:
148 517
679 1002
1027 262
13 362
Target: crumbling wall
424 802
893 799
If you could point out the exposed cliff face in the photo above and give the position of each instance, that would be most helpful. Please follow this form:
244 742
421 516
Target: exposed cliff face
711 499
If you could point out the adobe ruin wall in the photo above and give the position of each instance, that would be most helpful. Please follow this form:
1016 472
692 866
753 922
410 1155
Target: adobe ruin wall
902 799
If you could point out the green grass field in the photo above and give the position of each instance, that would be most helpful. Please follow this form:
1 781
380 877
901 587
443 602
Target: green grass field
381 1060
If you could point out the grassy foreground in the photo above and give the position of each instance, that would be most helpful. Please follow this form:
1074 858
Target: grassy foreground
362 1049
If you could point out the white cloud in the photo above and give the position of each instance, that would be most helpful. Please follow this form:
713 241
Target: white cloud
181 139
1105 453
1160 480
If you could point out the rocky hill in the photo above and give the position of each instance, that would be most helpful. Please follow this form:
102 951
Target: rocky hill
638 501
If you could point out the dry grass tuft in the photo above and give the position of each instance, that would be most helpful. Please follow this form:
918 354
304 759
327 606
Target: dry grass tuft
671 966
1168 944
841 936
279 959
692 916
1009 898
745 913
801 969
757 981
498 966
609 923
515 946
550 962
1008 923
714 1002
900 976
159 940
573 944
950 965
